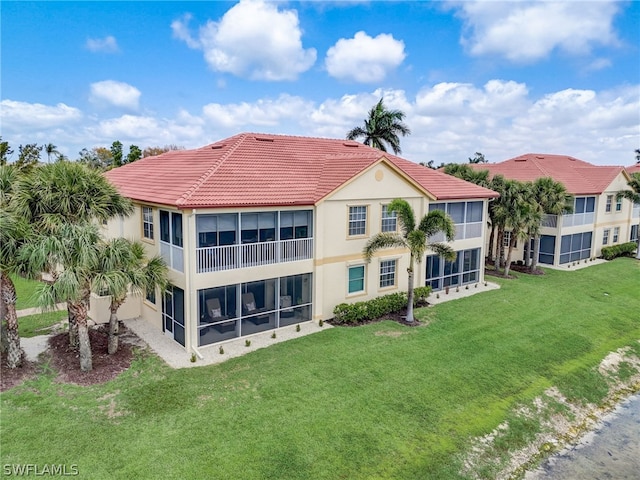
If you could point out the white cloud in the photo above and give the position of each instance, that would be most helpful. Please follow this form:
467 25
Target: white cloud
262 113
449 122
527 31
115 93
253 39
18 115
107 44
363 58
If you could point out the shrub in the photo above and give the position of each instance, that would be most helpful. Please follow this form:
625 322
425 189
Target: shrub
609 253
352 313
420 294
247 343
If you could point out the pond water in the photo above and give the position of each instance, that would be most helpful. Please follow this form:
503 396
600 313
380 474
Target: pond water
612 451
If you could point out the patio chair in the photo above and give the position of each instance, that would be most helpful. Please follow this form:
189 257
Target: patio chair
285 306
249 308
214 313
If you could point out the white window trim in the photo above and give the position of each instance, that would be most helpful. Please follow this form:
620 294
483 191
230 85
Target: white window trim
605 236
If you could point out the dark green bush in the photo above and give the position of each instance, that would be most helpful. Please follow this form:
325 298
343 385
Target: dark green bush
609 253
352 313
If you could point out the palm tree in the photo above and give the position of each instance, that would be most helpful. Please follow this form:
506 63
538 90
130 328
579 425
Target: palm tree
51 149
382 127
517 212
633 195
71 255
414 237
553 199
497 184
13 231
637 152
66 192
123 266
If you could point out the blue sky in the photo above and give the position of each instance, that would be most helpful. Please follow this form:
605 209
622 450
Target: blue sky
501 78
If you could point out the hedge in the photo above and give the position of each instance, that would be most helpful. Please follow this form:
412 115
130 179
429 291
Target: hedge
353 313
609 253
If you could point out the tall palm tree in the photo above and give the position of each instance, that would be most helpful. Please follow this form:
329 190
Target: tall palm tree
497 184
414 237
553 199
66 192
51 149
124 267
516 212
633 195
382 128
13 231
70 255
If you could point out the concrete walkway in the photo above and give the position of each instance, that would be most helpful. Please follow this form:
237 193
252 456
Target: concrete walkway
25 312
177 357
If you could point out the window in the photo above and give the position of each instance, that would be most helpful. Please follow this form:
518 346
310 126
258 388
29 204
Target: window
357 220
607 207
295 224
506 239
618 204
584 205
634 233
258 227
387 273
171 239
356 279
147 223
389 220
605 237
616 234
150 296
463 270
575 247
547 249
216 230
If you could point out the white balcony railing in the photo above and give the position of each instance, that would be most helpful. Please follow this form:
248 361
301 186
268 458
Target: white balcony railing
578 219
228 257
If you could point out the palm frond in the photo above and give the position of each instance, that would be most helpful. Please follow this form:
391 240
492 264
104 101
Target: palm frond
405 214
438 221
443 250
383 240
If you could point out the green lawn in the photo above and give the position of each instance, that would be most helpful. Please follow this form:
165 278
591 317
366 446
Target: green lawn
39 324
25 289
379 401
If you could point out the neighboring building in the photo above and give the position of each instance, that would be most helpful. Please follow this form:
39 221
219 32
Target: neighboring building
598 218
263 231
633 169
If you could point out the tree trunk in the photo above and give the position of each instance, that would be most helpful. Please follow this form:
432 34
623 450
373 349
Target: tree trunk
507 263
410 318
499 249
8 291
73 326
491 242
114 327
527 251
79 312
536 253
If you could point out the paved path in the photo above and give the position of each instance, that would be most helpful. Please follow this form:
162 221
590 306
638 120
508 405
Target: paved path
33 311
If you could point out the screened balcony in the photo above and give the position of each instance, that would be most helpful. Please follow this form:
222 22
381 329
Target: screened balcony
231 241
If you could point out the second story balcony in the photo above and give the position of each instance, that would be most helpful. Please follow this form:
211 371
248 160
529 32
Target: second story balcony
250 239
228 257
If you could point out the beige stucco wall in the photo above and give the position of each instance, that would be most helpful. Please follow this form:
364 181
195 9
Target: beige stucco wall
334 250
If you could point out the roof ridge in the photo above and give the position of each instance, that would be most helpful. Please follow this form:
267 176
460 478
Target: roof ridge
205 176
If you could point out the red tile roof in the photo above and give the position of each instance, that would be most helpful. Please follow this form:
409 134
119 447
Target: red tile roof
268 170
579 177
633 168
